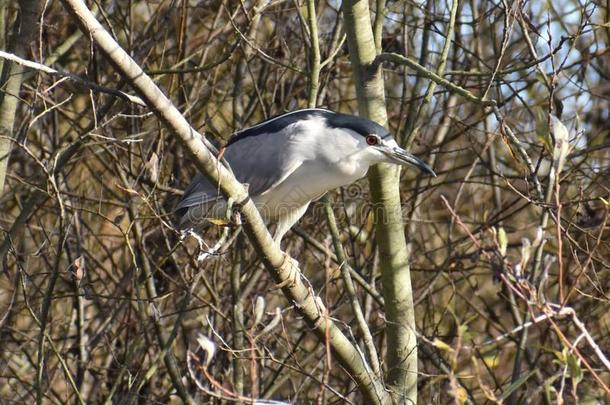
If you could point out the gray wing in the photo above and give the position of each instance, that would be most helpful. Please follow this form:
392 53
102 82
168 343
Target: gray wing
200 191
262 161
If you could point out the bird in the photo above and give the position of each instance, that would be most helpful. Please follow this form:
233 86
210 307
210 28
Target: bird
290 160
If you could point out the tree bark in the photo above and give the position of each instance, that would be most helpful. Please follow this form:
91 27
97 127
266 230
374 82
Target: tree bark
401 356
13 74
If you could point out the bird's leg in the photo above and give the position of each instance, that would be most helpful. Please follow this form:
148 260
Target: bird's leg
293 262
277 238
291 266
285 222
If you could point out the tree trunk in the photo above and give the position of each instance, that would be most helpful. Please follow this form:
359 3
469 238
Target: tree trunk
12 76
401 356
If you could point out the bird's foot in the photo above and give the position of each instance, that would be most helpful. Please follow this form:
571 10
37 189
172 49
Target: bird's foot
289 270
294 262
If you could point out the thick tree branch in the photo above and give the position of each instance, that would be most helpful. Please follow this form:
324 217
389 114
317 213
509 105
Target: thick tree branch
401 356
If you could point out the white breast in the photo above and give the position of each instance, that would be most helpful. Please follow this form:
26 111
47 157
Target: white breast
309 182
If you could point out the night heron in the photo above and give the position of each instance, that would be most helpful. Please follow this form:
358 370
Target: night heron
290 160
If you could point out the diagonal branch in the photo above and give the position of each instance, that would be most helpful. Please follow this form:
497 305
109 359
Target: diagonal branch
403 60
279 265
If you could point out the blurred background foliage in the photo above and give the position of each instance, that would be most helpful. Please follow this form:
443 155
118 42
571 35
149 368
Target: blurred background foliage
75 263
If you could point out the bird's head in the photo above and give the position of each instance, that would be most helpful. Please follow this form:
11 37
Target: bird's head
376 142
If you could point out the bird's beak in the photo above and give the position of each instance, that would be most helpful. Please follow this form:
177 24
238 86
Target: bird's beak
402 157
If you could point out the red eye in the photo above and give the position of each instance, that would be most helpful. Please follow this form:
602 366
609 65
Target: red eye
372 140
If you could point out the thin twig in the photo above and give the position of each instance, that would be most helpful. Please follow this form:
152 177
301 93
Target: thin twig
77 79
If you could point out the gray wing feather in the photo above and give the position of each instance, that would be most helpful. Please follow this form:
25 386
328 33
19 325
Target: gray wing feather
261 161
200 191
